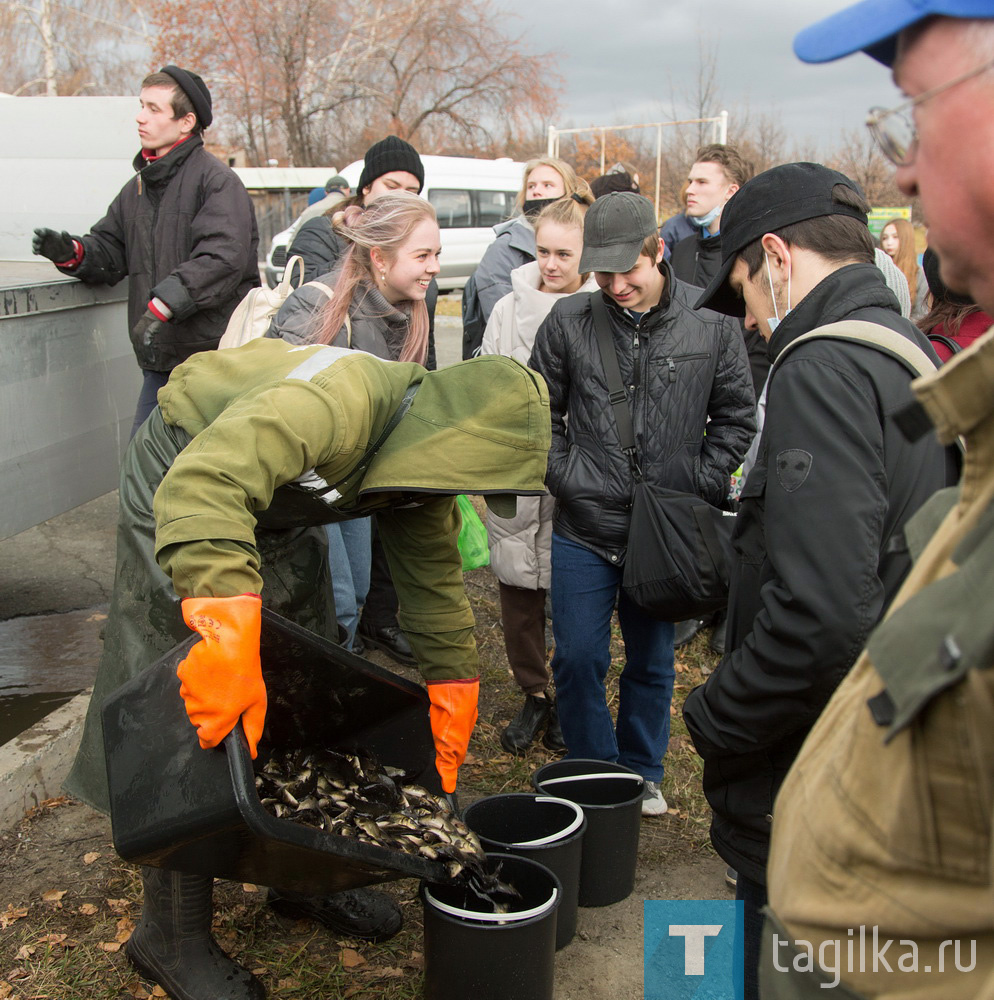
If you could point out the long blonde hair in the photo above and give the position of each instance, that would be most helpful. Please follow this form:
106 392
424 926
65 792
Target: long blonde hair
906 259
386 224
571 182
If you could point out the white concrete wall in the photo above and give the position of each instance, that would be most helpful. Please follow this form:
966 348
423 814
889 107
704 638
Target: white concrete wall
63 161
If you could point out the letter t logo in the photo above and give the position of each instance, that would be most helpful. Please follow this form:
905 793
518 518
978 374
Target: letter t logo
693 944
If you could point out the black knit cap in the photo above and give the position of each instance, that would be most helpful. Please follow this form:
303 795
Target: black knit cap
387 155
196 90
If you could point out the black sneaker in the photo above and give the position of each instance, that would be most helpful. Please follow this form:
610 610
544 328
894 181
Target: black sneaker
684 632
526 725
553 738
718 629
360 913
390 640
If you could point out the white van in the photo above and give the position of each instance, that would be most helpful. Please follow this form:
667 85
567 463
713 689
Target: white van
470 197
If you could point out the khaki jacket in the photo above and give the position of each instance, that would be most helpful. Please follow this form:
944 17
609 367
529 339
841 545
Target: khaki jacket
268 418
884 821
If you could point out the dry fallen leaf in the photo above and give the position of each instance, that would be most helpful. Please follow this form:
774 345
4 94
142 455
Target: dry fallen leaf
90 857
52 938
11 914
53 895
259 970
389 971
25 951
5 989
119 905
158 991
88 909
112 946
248 887
350 958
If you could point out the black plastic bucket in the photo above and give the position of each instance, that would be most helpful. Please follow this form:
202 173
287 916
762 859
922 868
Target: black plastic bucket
540 827
611 798
470 952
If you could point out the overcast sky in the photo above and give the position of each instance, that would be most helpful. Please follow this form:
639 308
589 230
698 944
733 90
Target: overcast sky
623 59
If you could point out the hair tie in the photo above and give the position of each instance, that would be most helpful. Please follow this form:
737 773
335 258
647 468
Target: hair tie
579 199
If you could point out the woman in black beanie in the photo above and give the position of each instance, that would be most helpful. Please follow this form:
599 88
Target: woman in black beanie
389 166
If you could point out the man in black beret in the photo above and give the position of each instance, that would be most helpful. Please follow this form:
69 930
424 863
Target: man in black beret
183 230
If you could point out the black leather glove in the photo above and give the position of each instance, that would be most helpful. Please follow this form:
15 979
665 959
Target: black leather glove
147 328
57 247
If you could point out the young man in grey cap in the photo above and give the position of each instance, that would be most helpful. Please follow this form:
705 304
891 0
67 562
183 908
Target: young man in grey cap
182 230
685 373
819 537
880 862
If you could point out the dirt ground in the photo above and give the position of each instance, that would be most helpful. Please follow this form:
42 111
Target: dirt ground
67 902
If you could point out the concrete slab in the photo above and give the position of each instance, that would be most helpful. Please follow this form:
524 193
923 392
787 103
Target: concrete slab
34 764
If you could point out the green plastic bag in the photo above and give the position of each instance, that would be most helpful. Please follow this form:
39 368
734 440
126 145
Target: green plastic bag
472 536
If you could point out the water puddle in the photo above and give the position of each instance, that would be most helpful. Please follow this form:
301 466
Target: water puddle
44 661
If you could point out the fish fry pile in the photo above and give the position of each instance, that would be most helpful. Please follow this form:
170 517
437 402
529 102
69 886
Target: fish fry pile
347 795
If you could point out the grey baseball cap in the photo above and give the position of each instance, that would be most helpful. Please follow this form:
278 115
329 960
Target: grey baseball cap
614 230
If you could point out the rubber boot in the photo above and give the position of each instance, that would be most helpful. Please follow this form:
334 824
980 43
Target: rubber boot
173 945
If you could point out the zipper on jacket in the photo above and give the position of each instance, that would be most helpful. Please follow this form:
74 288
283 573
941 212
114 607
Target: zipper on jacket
636 360
671 366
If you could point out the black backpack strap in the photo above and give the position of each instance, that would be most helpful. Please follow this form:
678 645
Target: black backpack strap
615 387
947 342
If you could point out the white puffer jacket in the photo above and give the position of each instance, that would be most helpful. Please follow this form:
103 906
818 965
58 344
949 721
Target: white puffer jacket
521 546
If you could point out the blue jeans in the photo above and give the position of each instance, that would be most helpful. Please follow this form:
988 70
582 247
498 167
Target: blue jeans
584 590
349 556
152 382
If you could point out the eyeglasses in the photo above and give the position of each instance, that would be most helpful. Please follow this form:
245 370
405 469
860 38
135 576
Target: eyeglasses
894 130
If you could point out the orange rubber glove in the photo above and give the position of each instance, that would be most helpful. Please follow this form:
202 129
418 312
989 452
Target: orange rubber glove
221 677
452 715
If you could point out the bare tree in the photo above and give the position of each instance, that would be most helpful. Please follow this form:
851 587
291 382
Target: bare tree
73 46
858 157
449 61
312 80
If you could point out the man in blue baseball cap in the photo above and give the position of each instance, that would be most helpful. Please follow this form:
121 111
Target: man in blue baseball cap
880 869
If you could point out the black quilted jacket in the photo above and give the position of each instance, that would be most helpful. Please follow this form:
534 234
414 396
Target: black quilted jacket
685 371
183 229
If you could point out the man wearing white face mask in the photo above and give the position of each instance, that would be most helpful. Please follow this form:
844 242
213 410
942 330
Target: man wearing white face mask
819 537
